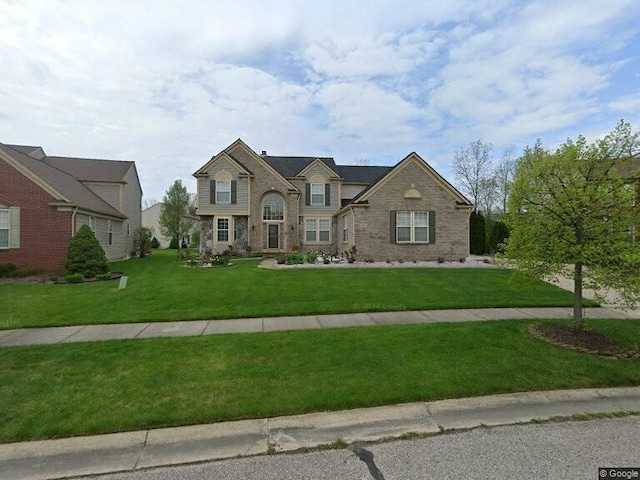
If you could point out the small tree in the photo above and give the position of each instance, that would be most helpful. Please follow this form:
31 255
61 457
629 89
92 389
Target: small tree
142 238
576 207
173 221
85 255
477 234
499 234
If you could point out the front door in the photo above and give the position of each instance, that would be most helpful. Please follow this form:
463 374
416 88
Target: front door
273 240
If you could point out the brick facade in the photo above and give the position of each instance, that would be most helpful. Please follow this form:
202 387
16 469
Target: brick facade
370 200
44 231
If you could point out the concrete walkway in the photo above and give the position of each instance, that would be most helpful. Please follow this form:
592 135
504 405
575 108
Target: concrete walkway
97 333
122 452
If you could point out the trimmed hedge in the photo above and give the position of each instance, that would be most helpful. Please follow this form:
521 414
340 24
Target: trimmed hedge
85 255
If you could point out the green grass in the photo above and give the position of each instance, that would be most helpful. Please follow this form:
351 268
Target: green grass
77 389
160 288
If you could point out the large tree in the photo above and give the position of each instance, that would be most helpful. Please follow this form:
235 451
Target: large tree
503 175
572 212
472 169
174 222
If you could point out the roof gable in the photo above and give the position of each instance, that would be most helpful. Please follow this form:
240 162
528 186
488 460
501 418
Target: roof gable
321 164
61 185
413 158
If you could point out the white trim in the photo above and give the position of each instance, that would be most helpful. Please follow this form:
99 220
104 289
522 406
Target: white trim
8 228
109 233
218 229
311 194
219 191
412 226
317 230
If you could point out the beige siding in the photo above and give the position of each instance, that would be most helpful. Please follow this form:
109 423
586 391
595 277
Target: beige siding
131 199
115 251
350 191
319 170
242 191
109 192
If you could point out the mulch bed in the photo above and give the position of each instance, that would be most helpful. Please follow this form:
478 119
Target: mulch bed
47 279
586 341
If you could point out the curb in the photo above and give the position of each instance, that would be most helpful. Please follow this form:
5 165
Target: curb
122 452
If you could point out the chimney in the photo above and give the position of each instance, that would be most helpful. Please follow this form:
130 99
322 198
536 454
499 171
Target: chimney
264 153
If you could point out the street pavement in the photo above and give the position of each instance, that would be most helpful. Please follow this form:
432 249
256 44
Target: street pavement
134 451
558 450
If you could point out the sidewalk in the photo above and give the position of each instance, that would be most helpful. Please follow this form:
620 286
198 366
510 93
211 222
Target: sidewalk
120 452
98 333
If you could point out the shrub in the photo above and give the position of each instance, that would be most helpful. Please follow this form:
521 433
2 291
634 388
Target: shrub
477 234
7 269
155 243
195 239
311 257
74 278
174 243
281 259
26 272
499 234
142 241
85 255
294 258
103 276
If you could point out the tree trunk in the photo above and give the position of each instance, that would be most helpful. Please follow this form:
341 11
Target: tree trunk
578 321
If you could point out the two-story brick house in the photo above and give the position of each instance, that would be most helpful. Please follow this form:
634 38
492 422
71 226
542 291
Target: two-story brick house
44 200
274 204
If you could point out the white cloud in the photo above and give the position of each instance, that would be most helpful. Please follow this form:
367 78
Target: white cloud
169 84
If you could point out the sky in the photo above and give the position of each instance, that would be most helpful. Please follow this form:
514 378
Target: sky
169 84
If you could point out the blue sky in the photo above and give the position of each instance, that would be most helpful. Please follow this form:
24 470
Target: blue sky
168 84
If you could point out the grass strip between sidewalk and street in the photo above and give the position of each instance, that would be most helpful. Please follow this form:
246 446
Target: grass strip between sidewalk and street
162 289
91 388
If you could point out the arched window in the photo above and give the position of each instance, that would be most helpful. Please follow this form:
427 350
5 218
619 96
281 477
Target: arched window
273 207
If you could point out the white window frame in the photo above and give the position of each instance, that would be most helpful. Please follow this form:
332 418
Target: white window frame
345 231
8 228
93 223
319 195
109 233
221 230
412 226
317 230
223 187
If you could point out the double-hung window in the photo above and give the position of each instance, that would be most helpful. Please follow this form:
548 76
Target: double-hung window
412 227
318 230
223 191
4 228
92 223
109 232
345 231
223 229
317 194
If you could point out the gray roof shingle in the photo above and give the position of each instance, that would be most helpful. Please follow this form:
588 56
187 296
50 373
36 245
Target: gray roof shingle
69 186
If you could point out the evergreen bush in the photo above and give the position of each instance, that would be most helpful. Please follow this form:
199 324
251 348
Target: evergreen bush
477 234
85 255
174 243
155 243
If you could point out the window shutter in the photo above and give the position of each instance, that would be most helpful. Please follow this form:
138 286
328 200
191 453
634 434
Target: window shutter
14 227
307 194
234 188
392 223
432 226
212 192
327 194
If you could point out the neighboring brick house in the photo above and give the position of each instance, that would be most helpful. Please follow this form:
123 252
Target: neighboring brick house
151 219
45 200
276 204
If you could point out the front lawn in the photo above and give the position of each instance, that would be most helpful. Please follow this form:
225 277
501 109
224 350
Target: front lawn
160 288
78 389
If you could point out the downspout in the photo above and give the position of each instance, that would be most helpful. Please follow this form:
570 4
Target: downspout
73 222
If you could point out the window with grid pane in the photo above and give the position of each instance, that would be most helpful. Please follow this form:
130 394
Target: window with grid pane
223 229
4 228
412 227
223 191
317 194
